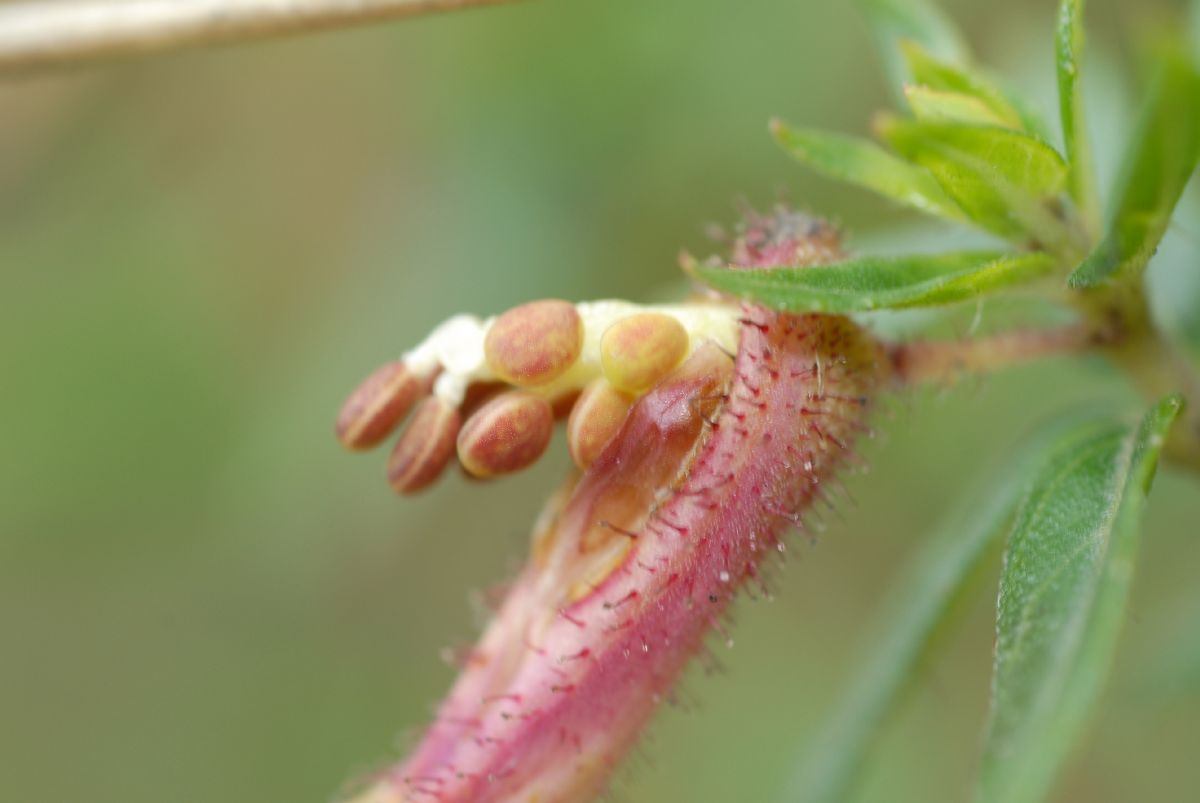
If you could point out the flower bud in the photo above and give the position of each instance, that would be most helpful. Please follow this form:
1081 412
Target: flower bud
425 447
785 237
506 434
640 349
534 343
377 405
595 419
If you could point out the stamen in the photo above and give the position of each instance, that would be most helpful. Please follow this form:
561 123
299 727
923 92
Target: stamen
595 419
506 434
552 351
375 408
425 447
534 343
639 350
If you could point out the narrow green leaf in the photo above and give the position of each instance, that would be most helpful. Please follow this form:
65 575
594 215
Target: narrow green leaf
1063 590
1005 181
941 106
871 283
927 70
914 613
895 21
1068 49
1158 162
1194 27
862 162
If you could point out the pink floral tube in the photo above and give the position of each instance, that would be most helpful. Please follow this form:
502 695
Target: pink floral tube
635 560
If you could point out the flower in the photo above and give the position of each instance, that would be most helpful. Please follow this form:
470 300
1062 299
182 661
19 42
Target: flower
704 432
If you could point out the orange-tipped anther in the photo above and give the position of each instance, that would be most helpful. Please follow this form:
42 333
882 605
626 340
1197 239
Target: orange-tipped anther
534 343
505 435
377 405
425 447
595 419
641 349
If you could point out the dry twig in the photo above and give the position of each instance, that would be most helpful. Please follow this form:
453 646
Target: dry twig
40 35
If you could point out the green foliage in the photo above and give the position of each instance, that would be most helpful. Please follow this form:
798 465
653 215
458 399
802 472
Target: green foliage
859 161
1063 590
915 612
972 153
926 70
1068 46
872 283
897 21
1194 26
1158 163
1007 182
1077 489
944 106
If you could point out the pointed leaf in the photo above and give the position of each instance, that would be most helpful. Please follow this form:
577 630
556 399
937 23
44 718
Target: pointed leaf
1194 27
895 21
1068 47
862 162
1005 181
927 70
1158 163
913 615
871 283
1063 590
941 106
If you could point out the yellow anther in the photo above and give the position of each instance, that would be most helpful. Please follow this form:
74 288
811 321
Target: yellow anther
595 419
641 349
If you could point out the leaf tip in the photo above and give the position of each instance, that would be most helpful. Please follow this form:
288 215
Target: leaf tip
1168 409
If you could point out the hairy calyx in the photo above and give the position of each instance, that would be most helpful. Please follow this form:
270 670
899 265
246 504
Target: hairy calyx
703 467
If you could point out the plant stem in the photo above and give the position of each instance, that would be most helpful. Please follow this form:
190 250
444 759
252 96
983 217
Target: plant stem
41 35
1152 364
939 360
1117 324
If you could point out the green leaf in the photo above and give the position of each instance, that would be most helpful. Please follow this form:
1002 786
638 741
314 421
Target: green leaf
1006 182
940 106
1194 27
1063 590
915 612
871 283
1068 48
896 21
862 162
1156 168
927 70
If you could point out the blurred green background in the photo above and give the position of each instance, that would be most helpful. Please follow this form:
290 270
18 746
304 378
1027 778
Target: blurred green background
202 598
